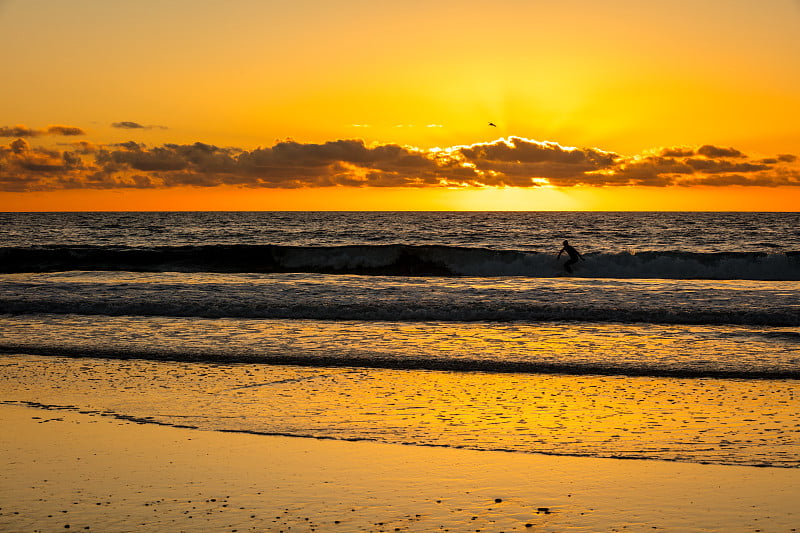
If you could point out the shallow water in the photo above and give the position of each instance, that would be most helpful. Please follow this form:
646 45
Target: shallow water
744 422
548 347
397 298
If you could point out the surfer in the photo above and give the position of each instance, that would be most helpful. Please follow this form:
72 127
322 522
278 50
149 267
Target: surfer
573 256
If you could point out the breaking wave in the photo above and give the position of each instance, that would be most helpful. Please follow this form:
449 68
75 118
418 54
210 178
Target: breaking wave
400 260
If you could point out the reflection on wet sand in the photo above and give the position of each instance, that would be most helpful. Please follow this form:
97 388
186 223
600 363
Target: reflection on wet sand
749 422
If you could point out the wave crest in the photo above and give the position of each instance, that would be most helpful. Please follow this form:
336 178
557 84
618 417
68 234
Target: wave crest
401 260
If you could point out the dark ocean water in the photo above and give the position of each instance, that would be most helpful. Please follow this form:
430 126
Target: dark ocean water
609 232
410 298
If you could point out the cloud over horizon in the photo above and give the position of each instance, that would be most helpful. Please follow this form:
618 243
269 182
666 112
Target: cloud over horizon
507 162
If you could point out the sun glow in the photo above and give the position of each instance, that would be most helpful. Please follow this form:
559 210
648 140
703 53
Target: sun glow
594 75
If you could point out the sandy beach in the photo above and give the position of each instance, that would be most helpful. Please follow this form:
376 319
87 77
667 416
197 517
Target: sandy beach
70 470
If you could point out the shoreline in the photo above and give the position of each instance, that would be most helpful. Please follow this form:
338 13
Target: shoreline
62 468
747 423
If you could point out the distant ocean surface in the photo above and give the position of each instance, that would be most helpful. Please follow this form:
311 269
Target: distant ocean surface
447 329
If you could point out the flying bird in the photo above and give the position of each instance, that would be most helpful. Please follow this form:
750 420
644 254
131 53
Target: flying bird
492 124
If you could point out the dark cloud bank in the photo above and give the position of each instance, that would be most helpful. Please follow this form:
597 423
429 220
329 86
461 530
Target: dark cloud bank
514 162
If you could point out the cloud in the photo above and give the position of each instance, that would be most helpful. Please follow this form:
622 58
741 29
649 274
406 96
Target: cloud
64 130
23 131
524 162
714 151
508 162
128 125
709 166
717 166
82 147
18 131
676 152
27 168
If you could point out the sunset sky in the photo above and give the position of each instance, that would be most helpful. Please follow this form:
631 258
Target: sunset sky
354 105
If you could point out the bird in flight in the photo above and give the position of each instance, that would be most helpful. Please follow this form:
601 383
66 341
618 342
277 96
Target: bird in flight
492 124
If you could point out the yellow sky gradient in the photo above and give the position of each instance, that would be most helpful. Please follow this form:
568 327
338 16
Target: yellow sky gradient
624 77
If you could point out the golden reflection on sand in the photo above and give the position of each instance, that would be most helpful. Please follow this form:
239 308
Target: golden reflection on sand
695 420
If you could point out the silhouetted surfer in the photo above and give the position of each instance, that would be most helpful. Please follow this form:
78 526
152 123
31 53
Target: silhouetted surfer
573 256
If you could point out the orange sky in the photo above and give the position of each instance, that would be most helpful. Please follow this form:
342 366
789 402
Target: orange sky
625 105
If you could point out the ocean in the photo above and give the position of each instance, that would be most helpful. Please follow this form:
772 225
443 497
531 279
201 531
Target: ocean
676 339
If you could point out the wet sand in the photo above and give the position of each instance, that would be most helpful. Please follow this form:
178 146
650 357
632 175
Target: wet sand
67 470
733 422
